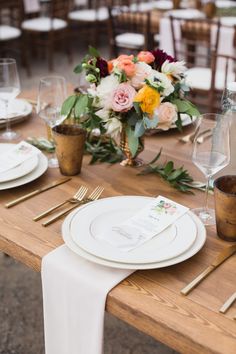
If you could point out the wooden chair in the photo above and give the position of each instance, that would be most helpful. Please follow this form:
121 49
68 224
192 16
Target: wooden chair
10 19
89 18
220 77
194 45
48 31
128 29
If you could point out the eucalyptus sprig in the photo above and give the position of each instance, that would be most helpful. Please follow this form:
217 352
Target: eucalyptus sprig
42 144
103 150
179 178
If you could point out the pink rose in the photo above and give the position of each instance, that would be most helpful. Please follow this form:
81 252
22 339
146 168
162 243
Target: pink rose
122 98
167 115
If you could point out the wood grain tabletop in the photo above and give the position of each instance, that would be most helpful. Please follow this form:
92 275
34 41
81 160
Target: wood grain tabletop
149 300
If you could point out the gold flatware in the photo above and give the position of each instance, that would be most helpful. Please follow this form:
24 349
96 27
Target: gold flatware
191 137
93 196
37 191
225 254
229 302
74 199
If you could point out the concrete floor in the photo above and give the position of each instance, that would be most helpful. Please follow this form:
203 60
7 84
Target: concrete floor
21 319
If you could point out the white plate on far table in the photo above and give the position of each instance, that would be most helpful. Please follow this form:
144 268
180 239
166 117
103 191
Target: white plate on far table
21 170
96 218
35 173
197 245
228 21
187 14
18 110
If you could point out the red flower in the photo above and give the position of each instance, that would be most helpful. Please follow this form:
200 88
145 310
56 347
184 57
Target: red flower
103 66
160 58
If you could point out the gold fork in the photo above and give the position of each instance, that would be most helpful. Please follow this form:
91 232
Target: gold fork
93 196
75 199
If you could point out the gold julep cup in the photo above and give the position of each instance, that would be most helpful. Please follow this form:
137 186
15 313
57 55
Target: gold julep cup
69 140
225 207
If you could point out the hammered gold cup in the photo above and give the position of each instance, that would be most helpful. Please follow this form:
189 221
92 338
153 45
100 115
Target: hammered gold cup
69 141
225 207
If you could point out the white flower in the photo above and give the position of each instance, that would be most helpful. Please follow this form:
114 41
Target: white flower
142 70
161 80
103 113
105 89
175 69
113 127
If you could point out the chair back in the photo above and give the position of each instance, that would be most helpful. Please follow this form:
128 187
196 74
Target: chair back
59 9
220 78
11 13
193 41
125 18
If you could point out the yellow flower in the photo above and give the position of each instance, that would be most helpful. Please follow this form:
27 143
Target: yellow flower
149 99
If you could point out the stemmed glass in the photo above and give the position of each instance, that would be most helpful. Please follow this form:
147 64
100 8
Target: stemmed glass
9 89
211 153
52 93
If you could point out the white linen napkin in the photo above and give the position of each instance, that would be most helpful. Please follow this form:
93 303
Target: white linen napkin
74 297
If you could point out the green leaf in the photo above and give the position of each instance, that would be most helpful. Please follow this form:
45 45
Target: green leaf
156 158
138 109
139 129
150 123
182 105
78 69
169 167
93 52
174 175
68 104
132 141
81 105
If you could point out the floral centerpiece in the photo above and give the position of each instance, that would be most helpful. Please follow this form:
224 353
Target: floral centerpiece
129 95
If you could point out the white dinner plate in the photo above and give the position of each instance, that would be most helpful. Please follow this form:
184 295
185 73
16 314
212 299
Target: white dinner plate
41 167
21 170
100 216
197 245
19 109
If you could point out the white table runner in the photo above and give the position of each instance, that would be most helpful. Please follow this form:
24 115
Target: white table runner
74 297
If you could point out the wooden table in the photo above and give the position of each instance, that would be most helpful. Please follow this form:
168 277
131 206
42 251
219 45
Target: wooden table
148 300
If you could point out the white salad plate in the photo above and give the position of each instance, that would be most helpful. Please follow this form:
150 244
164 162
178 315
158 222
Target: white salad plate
196 246
95 219
18 110
21 170
37 171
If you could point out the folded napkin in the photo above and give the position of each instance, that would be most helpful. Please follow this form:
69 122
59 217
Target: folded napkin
17 155
74 297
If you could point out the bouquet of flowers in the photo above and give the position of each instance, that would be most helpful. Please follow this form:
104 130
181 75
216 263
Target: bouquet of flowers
131 93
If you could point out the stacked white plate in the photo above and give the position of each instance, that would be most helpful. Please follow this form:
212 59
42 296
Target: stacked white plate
25 172
18 111
81 230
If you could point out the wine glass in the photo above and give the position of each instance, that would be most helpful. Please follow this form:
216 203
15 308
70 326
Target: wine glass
52 93
211 153
9 89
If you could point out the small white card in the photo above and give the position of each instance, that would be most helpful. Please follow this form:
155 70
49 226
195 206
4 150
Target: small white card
147 223
16 155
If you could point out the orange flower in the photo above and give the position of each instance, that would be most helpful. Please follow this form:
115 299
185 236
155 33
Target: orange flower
110 64
127 66
124 56
149 99
146 56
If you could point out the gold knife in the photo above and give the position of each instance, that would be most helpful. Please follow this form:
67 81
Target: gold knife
37 191
225 254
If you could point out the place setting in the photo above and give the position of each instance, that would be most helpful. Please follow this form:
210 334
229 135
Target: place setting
135 210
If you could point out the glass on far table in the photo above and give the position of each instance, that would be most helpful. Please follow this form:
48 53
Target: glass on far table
9 89
211 153
52 93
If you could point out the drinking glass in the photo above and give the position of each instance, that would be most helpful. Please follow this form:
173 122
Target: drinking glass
52 93
211 153
9 89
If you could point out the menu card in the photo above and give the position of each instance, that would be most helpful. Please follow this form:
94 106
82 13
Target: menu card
16 155
146 224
